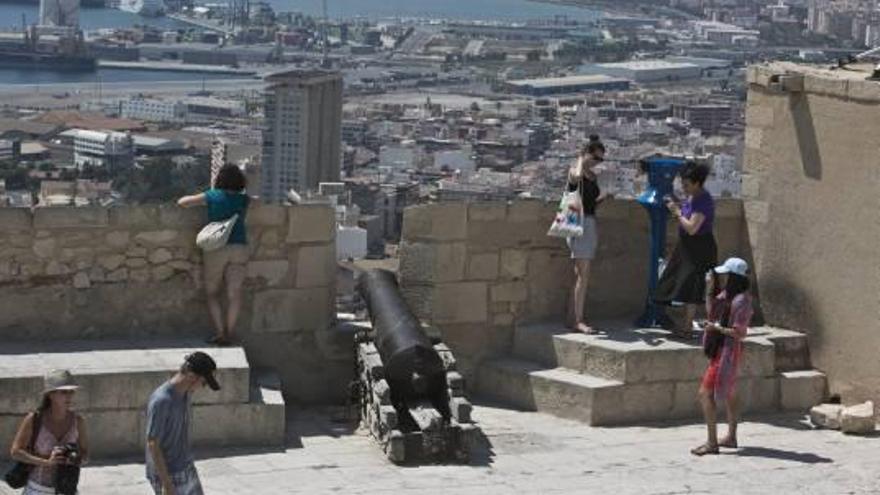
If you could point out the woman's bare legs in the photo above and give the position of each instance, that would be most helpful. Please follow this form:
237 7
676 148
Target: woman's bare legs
582 274
730 439
708 403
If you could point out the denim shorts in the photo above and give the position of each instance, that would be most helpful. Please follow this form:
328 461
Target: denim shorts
185 482
584 247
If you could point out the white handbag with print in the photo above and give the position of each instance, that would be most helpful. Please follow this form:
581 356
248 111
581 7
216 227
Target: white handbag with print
215 235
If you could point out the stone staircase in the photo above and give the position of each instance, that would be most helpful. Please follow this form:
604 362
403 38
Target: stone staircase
116 379
629 376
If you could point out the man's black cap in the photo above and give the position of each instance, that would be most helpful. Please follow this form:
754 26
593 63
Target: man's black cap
204 366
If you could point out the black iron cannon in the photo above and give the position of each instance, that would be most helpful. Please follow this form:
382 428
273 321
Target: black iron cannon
412 398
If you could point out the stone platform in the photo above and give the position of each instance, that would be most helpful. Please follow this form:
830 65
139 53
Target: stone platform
116 379
628 375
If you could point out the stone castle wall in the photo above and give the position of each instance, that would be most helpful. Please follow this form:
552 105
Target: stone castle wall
811 197
475 270
135 272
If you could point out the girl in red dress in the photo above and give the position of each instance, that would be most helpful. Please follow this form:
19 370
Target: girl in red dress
730 312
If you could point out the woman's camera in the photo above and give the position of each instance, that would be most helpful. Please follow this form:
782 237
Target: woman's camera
67 474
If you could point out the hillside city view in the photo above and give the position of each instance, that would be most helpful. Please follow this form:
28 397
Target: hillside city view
401 162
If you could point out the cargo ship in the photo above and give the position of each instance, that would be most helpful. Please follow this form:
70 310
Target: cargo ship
24 59
63 51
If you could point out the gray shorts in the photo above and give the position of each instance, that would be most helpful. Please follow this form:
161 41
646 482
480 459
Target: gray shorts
185 482
584 247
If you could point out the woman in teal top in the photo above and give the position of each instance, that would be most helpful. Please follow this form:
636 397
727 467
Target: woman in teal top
229 263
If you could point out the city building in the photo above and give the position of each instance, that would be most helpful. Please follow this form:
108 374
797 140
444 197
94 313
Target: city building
110 149
209 109
302 135
708 118
152 110
10 150
571 84
354 132
646 71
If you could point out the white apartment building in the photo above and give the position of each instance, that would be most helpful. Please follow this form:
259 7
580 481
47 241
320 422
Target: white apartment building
153 110
114 150
196 109
302 136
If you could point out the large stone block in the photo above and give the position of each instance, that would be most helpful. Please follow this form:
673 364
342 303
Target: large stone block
482 266
292 310
311 223
165 237
267 216
15 219
826 416
528 211
826 86
64 217
514 263
801 390
550 279
191 219
510 292
432 263
316 266
495 211
273 272
436 222
465 302
858 419
135 217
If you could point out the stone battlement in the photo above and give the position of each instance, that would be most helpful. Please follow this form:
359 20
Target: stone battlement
134 272
477 270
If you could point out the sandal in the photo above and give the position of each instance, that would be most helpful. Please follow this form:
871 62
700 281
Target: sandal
704 450
213 339
585 329
729 443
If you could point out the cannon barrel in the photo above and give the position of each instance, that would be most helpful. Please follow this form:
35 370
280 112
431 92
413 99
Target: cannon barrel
412 365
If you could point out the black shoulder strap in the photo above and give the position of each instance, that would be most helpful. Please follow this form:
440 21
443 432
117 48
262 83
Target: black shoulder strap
35 430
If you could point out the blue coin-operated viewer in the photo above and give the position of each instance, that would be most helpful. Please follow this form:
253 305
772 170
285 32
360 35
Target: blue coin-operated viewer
661 171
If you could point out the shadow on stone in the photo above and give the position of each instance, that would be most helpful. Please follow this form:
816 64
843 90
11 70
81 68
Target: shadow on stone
328 421
784 455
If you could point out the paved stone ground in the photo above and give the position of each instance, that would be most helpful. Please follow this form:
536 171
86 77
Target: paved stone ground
527 452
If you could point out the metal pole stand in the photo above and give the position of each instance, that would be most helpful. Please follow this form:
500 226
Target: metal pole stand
661 174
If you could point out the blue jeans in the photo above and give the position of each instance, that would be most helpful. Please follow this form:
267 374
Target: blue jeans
185 482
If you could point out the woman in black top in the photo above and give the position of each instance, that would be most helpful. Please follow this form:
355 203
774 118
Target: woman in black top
583 249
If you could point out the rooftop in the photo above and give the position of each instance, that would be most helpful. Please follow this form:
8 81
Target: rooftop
566 81
648 65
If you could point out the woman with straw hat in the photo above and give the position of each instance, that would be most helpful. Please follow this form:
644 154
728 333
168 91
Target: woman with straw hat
44 436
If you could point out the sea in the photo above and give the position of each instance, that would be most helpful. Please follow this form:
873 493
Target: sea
93 18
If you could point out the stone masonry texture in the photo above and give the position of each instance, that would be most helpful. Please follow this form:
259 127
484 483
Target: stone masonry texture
135 272
812 211
478 269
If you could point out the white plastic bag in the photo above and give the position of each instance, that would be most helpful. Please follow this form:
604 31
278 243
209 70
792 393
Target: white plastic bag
568 221
215 235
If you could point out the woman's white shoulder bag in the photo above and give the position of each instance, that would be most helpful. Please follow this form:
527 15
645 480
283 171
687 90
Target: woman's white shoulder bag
215 235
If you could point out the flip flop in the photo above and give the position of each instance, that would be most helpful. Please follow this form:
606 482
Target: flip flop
704 450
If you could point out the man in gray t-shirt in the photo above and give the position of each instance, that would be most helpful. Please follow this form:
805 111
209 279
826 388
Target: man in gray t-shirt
170 467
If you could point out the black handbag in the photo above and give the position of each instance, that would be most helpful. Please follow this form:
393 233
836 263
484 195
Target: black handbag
712 343
17 477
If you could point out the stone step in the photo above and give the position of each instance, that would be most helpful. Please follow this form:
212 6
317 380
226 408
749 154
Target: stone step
792 348
114 374
631 355
114 433
600 401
